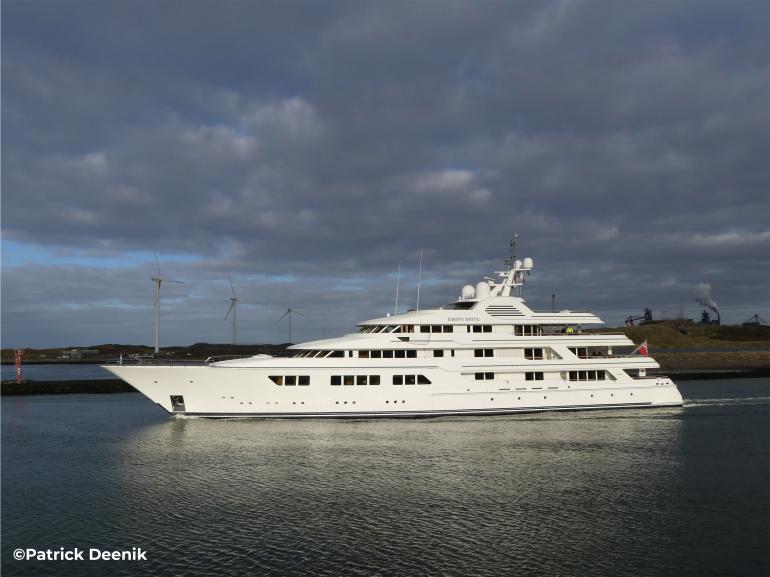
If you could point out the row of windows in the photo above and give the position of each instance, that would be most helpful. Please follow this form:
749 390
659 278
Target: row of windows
410 380
321 354
479 328
533 354
586 375
349 380
533 376
290 380
398 354
436 328
484 376
483 353
580 352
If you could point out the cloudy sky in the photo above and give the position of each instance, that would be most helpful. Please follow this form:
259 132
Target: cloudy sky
305 148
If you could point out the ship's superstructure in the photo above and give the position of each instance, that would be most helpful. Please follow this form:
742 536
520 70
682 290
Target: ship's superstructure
486 353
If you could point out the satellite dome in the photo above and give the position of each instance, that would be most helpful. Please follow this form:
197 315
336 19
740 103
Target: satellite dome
468 292
517 264
482 290
528 263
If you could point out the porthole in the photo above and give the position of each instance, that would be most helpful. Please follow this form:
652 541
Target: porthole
545 397
338 402
387 402
491 398
403 401
519 398
592 396
632 394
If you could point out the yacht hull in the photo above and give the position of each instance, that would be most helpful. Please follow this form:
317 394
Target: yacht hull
211 391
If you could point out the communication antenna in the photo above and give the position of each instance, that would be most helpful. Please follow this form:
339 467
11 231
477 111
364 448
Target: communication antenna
398 281
514 244
419 280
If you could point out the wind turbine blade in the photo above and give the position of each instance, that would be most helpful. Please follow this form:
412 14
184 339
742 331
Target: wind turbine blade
282 316
296 312
232 288
176 281
232 304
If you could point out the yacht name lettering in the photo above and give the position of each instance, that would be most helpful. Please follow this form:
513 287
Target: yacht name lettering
450 319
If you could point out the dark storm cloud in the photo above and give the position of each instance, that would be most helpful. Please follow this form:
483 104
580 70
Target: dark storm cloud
626 143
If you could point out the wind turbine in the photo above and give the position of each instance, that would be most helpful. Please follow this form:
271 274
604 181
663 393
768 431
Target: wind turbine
290 311
158 280
233 305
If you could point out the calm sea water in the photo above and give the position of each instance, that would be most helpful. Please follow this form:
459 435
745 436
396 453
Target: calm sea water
56 372
669 492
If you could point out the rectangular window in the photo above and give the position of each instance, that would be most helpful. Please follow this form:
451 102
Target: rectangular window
336 380
290 381
479 376
422 380
583 375
374 379
347 380
438 353
599 375
361 380
489 376
487 328
387 354
435 328
409 380
277 379
363 354
337 354
533 376
411 354
533 354
591 375
573 375
303 380
476 328
448 329
398 379
400 354
483 352
376 354
424 329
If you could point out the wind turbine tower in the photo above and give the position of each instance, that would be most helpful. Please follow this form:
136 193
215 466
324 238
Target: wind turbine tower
158 280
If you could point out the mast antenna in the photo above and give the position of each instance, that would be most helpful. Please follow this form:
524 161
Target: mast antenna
419 280
398 282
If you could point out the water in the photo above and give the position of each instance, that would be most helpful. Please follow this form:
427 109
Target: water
658 492
56 372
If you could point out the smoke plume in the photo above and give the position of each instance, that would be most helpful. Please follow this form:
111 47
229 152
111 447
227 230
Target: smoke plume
703 297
